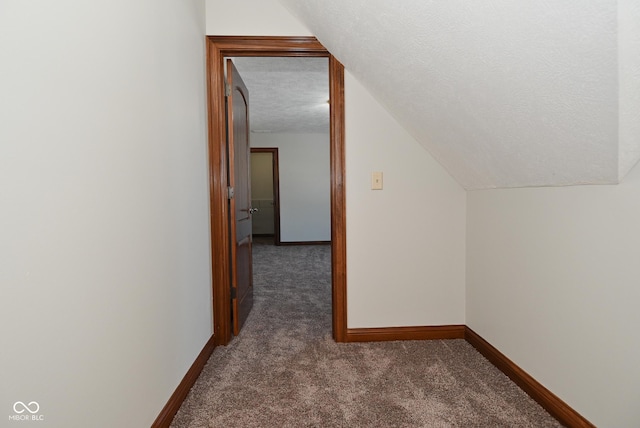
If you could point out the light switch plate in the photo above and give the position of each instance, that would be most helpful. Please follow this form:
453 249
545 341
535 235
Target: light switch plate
376 180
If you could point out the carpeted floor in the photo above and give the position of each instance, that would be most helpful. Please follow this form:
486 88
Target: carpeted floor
284 370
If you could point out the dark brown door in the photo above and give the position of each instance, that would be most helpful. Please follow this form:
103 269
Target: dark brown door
240 200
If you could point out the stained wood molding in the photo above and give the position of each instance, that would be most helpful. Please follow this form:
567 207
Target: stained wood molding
405 333
300 46
175 401
338 200
547 399
284 243
218 206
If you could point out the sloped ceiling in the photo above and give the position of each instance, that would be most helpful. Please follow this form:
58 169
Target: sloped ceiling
501 93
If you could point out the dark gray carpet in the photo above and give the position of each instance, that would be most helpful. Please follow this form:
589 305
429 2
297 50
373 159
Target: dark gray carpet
284 370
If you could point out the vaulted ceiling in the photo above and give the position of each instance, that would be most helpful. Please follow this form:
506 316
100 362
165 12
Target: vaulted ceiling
502 93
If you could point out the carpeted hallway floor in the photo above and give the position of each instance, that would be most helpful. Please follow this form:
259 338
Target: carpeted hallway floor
284 370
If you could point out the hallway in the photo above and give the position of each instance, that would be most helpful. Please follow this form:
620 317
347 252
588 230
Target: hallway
285 370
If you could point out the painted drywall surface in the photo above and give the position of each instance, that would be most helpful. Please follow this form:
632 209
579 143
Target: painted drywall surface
405 243
105 272
503 94
552 281
629 83
252 18
305 186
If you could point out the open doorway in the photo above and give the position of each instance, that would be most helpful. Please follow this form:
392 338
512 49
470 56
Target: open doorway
218 49
286 101
265 193
289 111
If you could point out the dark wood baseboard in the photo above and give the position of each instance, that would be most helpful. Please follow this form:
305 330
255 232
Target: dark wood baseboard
175 401
405 333
305 243
551 403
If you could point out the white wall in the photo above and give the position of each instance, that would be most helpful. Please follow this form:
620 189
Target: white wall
552 281
105 272
305 184
406 243
252 18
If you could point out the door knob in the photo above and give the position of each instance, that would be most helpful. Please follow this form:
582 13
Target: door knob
253 210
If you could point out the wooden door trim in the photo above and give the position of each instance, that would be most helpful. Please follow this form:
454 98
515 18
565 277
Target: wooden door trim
219 47
560 410
338 200
432 332
275 164
174 403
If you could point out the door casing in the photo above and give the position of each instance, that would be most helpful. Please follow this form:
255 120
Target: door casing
219 47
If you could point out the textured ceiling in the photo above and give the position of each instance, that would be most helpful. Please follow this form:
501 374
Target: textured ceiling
286 95
502 93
